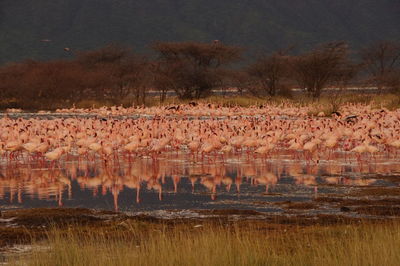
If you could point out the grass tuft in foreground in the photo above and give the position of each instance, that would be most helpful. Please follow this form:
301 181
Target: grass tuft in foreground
219 244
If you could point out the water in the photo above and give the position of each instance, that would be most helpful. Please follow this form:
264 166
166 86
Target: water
177 181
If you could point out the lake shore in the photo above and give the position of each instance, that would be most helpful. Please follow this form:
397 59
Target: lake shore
74 236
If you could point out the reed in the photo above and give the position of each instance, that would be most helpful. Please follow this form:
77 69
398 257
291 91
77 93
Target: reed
326 102
219 244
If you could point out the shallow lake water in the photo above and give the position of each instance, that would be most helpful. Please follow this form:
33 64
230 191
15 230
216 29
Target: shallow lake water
178 182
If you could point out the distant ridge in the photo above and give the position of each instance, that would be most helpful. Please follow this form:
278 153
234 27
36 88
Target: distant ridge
42 29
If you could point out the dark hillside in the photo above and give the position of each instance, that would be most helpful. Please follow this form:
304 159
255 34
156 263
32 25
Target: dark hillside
266 24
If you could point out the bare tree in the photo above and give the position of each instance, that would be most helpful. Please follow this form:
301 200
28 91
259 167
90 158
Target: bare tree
193 69
109 54
120 72
164 78
382 62
268 73
314 70
11 76
341 80
111 73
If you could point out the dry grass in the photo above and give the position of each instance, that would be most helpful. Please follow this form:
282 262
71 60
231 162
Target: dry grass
244 101
327 103
219 244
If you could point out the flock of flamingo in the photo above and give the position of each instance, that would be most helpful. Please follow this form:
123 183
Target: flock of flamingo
205 138
255 131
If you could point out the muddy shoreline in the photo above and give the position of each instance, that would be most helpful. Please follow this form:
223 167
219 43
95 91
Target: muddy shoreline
363 204
25 226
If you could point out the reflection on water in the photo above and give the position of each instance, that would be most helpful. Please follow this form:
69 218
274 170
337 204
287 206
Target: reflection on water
177 181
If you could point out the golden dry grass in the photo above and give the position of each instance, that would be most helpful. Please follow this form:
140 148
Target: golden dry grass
219 244
326 103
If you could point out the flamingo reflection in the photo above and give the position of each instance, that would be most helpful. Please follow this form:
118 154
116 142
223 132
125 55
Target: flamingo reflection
31 180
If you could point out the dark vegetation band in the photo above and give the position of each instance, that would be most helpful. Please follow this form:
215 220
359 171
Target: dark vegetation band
192 70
